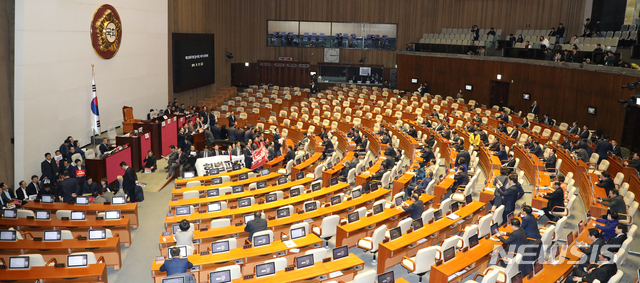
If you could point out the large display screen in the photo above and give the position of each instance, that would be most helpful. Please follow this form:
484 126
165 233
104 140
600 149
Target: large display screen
193 62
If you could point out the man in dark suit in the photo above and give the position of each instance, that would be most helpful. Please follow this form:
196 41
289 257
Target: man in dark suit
615 149
603 147
603 272
462 154
213 120
49 169
556 198
328 148
68 188
215 132
503 116
232 118
516 238
47 189
536 150
290 155
236 150
547 120
130 179
66 166
615 202
276 140
591 251
574 130
584 135
566 143
415 209
502 128
176 161
515 133
104 146
313 89
530 223
461 178
427 154
217 151
256 225
510 163
502 153
511 193
614 243
248 156
534 108
176 264
205 153
6 191
4 199
550 162
21 191
635 162
79 172
90 187
240 134
34 187
605 182
231 133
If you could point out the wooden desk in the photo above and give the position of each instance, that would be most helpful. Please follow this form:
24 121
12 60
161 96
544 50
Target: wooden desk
327 174
109 166
364 177
307 165
278 160
206 180
309 273
127 210
140 145
391 253
77 227
443 187
597 209
109 249
91 273
532 166
401 183
271 178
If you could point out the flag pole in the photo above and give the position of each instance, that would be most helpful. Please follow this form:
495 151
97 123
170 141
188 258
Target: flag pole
95 127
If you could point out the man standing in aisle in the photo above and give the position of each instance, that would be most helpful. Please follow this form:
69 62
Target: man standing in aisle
129 181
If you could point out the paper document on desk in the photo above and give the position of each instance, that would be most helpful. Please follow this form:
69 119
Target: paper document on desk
555 262
452 276
453 216
308 220
294 251
450 177
489 189
412 173
289 244
335 274
421 241
494 239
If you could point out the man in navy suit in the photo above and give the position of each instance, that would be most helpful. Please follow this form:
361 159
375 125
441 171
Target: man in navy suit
502 153
176 264
232 119
415 209
529 223
574 129
603 147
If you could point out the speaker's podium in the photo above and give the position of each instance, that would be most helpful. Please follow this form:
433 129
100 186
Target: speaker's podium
108 165
164 132
140 144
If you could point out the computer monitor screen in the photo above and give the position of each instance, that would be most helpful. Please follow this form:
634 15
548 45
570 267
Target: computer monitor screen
282 180
173 280
283 212
262 184
19 262
213 192
261 240
43 215
118 200
265 269
517 278
449 253
82 200
294 192
356 193
340 252
437 215
373 187
47 199
299 175
79 260
310 206
265 172
189 174
183 210
304 261
52 235
335 200
245 202
271 198
329 165
395 233
417 224
473 241
219 247
509 217
112 215
298 233
237 189
216 181
468 199
580 227
7 235
214 171
569 239
553 251
494 229
353 217
378 208
333 181
97 234
214 206
316 187
370 163
236 166
175 228
243 176
78 215
398 201
387 277
248 217
537 267
454 206
183 251
222 276
298 161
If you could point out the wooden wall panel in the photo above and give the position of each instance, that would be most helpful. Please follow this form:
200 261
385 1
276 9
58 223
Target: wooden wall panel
564 93
240 26
7 43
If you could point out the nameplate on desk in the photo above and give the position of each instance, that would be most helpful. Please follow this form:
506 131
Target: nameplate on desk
204 253
227 193
386 240
82 238
248 277
465 249
246 246
37 239
239 224
204 229
59 265
169 214
271 217
239 261
202 196
203 211
64 218
30 217
326 260
439 262
233 207
251 189
106 203
290 268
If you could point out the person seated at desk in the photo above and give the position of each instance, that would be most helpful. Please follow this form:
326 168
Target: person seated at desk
431 141
550 162
608 230
529 144
184 236
385 139
217 151
290 155
635 162
502 153
149 162
529 223
412 132
459 146
509 164
328 147
515 132
502 128
362 147
614 243
547 120
348 165
591 251
615 202
605 182
461 178
98 197
463 164
176 264
602 272
446 132
537 150
256 225
503 117
494 146
474 138
554 199
516 238
566 143
421 185
584 135
89 187
416 208
427 154
47 190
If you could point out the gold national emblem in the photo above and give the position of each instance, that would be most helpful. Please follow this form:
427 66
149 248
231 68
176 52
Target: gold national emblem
106 31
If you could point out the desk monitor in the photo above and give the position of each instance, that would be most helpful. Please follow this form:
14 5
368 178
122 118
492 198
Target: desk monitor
417 224
353 217
214 171
468 199
183 210
282 180
43 215
261 240
183 251
175 228
473 241
569 239
19 262
112 215
189 174
271 197
387 277
335 200
449 254
118 200
213 192
236 166
304 261
237 189
370 163
395 233
244 202
306 156
356 193
437 214
78 215
340 252
455 206
214 206
494 229
173 280
333 181
283 212
329 165
82 200
378 208
8 235
374 187
509 217
222 276
97 234
261 184
294 192
398 201
265 172
9 213
299 175
553 251
219 247
537 267
52 235
243 176
216 181
298 233
310 206
517 278
580 227
248 217
265 269
47 199
80 260
298 161
316 187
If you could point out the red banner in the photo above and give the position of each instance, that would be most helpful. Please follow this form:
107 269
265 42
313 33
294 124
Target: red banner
260 156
